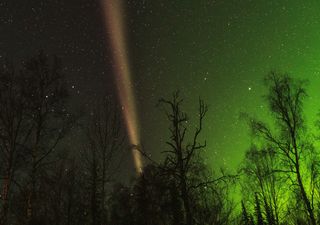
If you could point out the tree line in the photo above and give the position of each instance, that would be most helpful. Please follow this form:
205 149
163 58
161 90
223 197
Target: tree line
44 182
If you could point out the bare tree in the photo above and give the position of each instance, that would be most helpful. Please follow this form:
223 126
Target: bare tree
65 204
14 131
246 218
285 98
261 178
45 95
197 195
105 139
181 155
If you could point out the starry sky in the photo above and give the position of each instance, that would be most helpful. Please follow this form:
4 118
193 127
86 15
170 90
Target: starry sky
217 49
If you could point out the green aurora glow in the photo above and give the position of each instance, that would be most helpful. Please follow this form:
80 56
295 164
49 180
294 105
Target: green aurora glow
220 50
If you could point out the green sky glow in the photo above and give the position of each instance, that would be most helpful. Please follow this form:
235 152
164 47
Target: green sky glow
220 50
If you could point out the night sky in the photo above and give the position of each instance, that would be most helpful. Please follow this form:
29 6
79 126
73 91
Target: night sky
219 50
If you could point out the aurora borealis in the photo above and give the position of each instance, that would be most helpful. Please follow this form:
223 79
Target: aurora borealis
152 112
219 50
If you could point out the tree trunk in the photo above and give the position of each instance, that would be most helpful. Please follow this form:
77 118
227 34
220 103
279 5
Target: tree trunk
6 188
103 194
186 203
5 197
306 199
94 197
184 193
300 183
31 198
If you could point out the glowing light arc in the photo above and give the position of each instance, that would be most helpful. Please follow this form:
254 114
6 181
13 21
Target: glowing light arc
116 33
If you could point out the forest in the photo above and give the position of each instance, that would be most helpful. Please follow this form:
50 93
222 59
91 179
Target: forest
43 182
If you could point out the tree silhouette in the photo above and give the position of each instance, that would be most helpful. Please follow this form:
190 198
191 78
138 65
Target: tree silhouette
260 177
121 205
14 131
104 143
203 196
258 212
246 218
45 95
180 158
288 140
